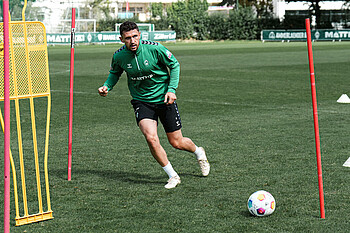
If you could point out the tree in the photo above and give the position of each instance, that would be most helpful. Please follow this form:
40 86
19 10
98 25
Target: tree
347 4
15 7
236 3
159 19
102 5
242 24
346 8
262 7
156 9
189 18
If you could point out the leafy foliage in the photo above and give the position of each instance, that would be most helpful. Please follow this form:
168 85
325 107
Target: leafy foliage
239 25
242 24
189 18
15 7
159 19
264 8
218 27
106 25
261 6
156 9
102 5
161 24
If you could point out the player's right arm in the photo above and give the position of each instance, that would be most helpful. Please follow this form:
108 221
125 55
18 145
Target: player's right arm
114 74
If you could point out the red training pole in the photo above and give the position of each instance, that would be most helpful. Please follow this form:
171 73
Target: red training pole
71 96
314 106
6 117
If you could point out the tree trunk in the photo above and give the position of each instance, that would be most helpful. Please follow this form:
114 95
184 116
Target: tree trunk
317 13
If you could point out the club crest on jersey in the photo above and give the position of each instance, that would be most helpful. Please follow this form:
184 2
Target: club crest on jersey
146 63
129 66
169 54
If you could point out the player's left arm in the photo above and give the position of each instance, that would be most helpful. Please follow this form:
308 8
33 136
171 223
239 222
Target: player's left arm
167 58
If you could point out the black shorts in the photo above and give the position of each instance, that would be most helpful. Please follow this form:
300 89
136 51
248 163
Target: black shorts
168 114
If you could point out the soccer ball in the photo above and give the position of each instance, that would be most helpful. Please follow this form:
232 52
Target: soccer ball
261 203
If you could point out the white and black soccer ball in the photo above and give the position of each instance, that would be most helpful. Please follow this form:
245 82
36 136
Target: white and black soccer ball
261 203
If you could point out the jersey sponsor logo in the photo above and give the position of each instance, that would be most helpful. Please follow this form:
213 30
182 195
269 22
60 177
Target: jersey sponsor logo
129 66
169 54
146 63
142 78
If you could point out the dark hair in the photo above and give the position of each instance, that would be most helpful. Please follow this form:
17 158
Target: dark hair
127 26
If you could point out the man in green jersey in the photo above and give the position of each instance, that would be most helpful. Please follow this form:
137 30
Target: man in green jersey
153 89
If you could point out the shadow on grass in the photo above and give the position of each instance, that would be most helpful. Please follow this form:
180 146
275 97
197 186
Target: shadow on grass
246 214
129 177
189 174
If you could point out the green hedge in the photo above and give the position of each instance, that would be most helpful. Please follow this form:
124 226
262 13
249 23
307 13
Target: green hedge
242 24
218 27
190 20
239 25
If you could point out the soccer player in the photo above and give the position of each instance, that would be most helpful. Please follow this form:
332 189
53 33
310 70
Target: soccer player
153 89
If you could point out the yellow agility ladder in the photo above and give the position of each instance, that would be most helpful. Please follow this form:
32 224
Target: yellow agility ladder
29 79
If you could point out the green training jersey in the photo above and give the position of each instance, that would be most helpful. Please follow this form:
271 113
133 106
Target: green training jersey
147 71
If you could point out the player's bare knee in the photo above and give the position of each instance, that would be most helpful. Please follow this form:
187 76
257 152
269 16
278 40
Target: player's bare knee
152 140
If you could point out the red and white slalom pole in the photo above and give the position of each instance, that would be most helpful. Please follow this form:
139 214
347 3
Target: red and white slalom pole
6 117
70 127
314 106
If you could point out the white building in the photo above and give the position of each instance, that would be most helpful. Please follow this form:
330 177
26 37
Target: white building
281 6
56 14
332 10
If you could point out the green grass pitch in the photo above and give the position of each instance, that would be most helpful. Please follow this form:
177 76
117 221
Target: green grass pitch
247 103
